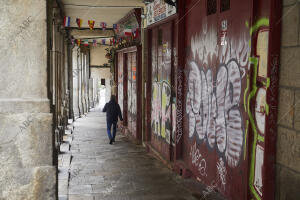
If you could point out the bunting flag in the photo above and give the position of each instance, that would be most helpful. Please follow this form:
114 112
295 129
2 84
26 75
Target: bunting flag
136 33
103 25
86 42
67 21
78 42
79 22
115 26
91 24
103 41
128 31
94 43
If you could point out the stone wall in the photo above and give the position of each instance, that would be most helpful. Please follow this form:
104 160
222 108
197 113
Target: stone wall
288 138
26 139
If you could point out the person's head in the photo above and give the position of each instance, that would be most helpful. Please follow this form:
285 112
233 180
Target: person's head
113 98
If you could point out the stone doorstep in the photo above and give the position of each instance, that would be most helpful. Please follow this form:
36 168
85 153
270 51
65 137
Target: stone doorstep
70 127
70 121
68 138
64 147
64 161
63 187
68 132
63 173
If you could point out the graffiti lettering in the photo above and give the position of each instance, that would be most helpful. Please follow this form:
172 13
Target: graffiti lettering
179 111
198 160
161 109
213 110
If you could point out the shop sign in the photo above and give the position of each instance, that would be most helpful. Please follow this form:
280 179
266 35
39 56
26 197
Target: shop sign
159 10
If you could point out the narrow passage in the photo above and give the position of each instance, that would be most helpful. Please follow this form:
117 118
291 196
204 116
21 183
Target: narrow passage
122 171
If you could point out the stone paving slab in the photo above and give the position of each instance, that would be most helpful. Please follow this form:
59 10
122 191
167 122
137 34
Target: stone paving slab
122 171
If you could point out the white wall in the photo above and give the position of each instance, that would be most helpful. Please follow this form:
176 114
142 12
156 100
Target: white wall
103 73
98 56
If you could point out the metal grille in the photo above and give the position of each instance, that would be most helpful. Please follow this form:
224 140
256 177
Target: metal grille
225 5
211 7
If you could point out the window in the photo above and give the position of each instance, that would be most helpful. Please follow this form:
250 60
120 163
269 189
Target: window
211 7
103 81
225 5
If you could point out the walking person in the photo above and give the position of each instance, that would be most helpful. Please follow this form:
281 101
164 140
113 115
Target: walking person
113 111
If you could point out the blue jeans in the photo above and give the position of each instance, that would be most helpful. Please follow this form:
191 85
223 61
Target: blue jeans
109 124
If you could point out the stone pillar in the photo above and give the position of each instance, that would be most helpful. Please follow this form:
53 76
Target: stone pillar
91 84
87 74
79 82
84 83
26 137
75 73
70 81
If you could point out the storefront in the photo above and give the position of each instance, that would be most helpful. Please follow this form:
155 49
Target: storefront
128 73
209 109
162 65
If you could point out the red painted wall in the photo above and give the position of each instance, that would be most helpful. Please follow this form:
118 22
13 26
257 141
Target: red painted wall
162 104
227 78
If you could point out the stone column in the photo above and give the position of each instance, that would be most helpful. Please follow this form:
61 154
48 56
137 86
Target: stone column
91 84
83 83
79 82
75 73
87 82
26 137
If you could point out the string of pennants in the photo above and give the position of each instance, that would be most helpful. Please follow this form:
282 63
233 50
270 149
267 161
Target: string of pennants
112 41
91 23
130 33
86 42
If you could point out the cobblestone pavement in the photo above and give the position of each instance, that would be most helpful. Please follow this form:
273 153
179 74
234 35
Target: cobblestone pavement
122 171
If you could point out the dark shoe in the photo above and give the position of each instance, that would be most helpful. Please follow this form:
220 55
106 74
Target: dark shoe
111 141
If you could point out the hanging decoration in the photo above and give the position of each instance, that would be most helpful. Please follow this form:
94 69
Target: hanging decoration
72 40
103 41
136 33
128 31
78 41
79 22
86 42
94 43
103 25
67 21
115 26
91 24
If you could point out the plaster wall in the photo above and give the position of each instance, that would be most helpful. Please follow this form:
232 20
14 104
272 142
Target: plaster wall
98 56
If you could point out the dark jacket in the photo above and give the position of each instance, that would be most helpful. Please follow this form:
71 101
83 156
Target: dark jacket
112 110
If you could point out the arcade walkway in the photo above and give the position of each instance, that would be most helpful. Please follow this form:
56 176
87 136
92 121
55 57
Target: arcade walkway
122 171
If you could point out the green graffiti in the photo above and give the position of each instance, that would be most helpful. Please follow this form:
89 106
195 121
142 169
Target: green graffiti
254 60
246 134
245 93
258 24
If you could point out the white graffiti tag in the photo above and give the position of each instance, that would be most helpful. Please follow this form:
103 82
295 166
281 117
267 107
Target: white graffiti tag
222 172
198 160
213 108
